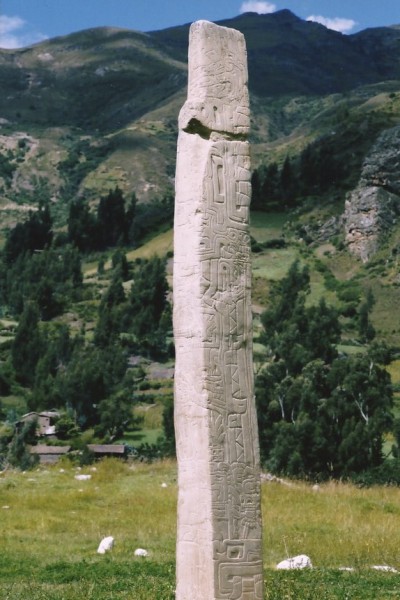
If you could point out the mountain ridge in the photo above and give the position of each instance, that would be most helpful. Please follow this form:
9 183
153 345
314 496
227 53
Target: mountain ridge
121 90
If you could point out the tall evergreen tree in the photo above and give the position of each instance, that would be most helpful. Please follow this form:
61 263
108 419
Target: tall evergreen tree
31 235
120 263
130 218
26 347
111 221
109 322
366 330
256 195
270 191
81 225
150 311
288 183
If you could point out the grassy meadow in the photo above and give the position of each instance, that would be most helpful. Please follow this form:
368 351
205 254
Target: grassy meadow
51 525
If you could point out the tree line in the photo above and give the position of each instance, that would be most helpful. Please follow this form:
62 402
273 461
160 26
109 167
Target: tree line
115 222
322 414
317 170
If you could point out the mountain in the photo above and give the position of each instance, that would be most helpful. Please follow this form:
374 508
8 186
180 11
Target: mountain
290 56
95 79
98 108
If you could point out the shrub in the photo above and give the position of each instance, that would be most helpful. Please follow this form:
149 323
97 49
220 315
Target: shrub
18 452
85 457
66 428
386 474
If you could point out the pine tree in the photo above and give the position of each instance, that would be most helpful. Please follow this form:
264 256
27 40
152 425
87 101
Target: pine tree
256 196
33 234
150 311
366 330
18 453
120 263
111 221
270 191
109 320
26 347
81 225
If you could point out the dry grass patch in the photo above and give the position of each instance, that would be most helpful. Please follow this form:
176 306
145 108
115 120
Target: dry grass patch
337 525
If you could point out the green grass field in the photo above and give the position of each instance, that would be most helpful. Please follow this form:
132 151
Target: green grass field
267 226
51 525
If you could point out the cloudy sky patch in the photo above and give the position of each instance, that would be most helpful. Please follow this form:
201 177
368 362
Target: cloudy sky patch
335 23
262 8
16 33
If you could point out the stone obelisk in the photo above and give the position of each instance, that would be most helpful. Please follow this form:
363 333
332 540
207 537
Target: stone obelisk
219 516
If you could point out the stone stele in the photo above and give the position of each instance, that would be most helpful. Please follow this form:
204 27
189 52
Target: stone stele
219 516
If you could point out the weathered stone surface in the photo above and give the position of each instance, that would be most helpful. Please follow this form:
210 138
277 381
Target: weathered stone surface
219 516
105 545
382 164
373 207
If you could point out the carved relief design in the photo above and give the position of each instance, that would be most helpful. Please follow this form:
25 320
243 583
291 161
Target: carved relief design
225 286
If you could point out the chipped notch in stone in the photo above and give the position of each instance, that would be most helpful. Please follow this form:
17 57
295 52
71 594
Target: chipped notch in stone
216 116
196 127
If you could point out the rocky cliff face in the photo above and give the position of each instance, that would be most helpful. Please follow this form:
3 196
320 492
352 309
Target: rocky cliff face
374 206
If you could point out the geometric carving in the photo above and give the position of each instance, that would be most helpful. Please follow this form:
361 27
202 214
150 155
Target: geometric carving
219 548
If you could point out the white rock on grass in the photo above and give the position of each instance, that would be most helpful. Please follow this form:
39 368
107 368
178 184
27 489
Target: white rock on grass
385 568
302 561
83 477
106 544
141 552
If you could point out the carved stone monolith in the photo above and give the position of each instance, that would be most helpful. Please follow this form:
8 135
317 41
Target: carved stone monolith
219 549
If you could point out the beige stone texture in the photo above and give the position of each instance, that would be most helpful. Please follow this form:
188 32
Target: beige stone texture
219 514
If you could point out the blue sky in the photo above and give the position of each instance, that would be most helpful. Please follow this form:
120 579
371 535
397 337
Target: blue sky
23 22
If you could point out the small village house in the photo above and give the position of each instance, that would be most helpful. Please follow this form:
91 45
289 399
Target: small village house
46 422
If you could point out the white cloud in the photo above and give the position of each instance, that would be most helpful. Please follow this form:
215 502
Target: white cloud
337 23
15 34
262 8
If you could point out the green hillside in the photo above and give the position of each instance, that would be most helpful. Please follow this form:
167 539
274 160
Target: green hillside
88 128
